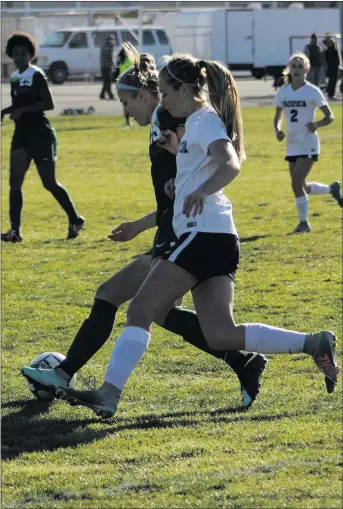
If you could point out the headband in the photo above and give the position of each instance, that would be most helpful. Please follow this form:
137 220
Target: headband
122 86
200 63
175 78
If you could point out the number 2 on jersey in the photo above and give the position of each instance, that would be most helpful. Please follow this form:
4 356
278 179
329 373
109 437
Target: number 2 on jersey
294 115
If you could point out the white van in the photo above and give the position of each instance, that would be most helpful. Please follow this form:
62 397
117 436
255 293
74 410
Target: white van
76 51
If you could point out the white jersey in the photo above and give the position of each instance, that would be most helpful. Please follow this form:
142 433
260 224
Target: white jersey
299 107
194 166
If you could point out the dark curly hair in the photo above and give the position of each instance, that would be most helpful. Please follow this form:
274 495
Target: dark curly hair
21 39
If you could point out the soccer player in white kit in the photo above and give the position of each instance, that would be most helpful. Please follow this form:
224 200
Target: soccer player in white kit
206 255
298 101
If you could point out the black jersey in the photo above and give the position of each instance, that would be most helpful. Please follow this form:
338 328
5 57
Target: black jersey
163 163
25 91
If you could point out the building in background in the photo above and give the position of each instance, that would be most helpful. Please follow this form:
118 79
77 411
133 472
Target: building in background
256 36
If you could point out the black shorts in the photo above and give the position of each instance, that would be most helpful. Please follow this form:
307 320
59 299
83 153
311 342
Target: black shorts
206 255
165 237
41 146
293 159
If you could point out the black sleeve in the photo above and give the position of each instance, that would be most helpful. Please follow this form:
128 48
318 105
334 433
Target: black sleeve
166 121
40 82
6 111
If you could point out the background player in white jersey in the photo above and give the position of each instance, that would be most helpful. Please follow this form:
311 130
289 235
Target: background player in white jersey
298 101
206 255
33 138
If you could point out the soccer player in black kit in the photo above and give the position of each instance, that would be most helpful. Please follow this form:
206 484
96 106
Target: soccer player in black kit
137 89
33 137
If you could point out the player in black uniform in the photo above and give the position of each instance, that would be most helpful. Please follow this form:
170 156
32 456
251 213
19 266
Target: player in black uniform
33 138
143 105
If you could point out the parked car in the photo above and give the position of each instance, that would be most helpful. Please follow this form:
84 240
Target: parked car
76 51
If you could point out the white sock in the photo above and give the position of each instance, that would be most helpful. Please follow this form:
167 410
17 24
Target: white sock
302 206
127 352
317 188
266 339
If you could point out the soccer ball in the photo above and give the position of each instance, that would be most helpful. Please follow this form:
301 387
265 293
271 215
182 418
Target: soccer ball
47 360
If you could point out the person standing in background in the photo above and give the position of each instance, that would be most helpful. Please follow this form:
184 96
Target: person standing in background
317 60
106 64
332 63
123 64
33 138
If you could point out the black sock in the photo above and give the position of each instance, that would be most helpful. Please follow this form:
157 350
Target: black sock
60 194
16 204
92 335
185 323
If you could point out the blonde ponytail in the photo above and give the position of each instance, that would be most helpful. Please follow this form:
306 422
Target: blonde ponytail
224 98
209 80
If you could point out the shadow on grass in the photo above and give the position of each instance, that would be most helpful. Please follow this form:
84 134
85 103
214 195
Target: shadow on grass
23 432
257 97
88 128
252 238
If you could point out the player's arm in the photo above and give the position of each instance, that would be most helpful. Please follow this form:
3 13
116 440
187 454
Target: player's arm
6 111
129 230
146 222
228 168
320 102
328 117
278 124
172 130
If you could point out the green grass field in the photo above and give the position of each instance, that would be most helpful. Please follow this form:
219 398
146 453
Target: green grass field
179 439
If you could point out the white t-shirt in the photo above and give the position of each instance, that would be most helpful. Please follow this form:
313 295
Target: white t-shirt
299 107
194 166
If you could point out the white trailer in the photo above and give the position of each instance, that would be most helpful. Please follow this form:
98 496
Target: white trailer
257 40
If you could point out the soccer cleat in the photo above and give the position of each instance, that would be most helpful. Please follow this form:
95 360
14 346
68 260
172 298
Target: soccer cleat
11 236
46 379
324 356
103 403
303 227
330 386
75 228
335 191
250 378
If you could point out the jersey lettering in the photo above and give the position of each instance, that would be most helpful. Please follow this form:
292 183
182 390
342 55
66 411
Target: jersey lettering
294 115
26 81
294 104
155 134
183 147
